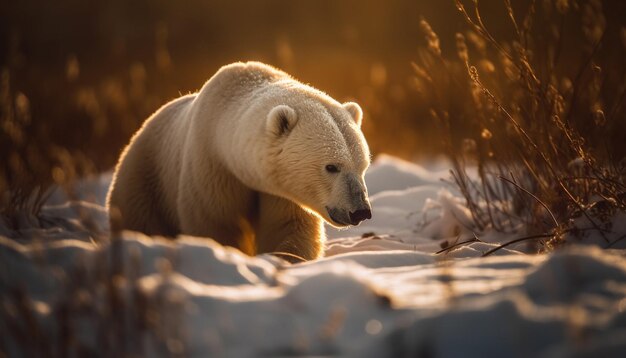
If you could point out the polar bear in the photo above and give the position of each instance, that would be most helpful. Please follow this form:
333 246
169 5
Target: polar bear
255 160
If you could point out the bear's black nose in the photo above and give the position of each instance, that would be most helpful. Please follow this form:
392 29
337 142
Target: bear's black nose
360 215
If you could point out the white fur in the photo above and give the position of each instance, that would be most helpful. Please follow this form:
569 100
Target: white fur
243 161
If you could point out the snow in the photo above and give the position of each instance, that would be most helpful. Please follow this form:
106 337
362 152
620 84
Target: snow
380 291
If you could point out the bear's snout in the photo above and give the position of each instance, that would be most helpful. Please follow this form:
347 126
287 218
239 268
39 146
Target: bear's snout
360 215
354 205
347 217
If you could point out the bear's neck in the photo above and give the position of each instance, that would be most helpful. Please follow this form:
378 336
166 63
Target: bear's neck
236 139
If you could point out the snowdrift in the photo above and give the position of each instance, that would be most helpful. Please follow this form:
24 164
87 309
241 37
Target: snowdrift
381 291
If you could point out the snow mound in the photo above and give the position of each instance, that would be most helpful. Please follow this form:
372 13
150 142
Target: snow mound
391 173
212 300
412 281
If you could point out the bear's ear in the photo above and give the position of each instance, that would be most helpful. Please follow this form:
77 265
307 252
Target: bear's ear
281 120
355 111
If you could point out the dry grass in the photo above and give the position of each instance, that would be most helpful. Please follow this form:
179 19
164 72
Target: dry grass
100 309
70 100
544 134
546 137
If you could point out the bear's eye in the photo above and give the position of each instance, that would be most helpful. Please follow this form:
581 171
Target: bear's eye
332 168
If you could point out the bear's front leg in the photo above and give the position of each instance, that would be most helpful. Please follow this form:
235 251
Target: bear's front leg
284 227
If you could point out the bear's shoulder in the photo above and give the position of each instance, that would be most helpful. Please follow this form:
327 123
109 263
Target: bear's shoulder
250 71
240 78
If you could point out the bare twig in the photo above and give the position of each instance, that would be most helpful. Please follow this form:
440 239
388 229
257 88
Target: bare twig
615 241
525 238
453 246
545 206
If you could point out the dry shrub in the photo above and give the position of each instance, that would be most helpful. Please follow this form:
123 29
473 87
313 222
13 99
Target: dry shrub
58 127
538 110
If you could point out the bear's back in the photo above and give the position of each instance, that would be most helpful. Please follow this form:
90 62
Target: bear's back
237 80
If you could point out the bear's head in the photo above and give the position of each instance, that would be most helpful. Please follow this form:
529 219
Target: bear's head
318 157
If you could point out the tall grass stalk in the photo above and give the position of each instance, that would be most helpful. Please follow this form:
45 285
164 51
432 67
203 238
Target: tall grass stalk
535 114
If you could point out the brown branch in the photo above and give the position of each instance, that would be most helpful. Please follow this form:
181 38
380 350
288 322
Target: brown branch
525 238
556 223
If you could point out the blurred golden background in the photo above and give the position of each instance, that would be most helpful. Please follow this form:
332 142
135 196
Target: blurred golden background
79 77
